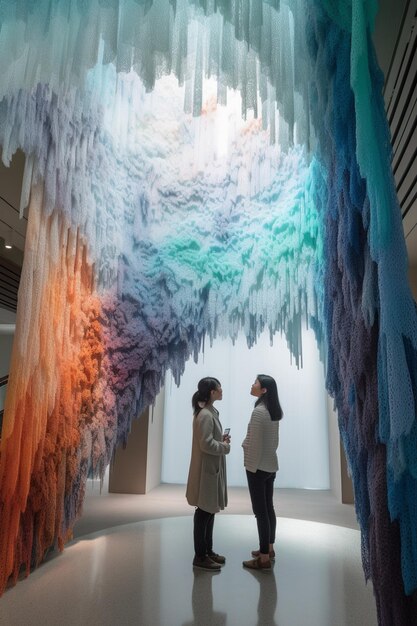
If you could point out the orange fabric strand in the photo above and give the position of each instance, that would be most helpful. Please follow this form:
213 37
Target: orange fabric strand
54 368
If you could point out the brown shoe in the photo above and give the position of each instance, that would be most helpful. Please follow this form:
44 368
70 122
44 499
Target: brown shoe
257 564
258 552
217 558
206 563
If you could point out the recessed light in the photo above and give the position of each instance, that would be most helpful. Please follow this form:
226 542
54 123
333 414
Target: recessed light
8 240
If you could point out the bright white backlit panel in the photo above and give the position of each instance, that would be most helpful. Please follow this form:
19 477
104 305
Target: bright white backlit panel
304 449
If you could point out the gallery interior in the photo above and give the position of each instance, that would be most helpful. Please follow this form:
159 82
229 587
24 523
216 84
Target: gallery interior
187 189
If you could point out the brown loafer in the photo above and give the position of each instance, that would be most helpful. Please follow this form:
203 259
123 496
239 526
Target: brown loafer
206 563
258 552
217 558
257 564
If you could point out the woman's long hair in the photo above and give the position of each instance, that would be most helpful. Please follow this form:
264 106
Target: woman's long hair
270 398
203 393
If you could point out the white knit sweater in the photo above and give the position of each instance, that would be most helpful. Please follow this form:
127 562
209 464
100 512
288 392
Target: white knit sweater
261 442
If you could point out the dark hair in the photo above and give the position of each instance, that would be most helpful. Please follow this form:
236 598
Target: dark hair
203 393
270 397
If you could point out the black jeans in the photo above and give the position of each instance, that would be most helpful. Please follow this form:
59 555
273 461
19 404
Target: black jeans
261 489
203 532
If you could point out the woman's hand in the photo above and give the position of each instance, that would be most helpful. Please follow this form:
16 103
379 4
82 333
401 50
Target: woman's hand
226 439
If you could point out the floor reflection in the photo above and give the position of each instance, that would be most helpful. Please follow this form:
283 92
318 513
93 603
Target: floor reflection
268 596
202 601
141 574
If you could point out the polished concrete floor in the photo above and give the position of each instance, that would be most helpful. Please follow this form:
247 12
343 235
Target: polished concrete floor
140 573
104 510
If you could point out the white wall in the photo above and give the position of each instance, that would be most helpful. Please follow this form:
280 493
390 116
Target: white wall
334 450
6 340
155 438
7 317
304 442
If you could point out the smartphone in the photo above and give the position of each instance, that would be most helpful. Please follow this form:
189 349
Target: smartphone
226 432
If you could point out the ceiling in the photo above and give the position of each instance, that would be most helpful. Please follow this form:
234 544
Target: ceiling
10 187
395 41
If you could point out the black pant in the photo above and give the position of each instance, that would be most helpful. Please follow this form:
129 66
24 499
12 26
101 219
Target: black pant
203 532
261 489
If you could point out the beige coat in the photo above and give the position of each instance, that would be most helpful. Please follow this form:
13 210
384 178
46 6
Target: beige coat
207 485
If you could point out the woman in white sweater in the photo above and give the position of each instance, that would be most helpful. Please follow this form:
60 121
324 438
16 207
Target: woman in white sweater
261 464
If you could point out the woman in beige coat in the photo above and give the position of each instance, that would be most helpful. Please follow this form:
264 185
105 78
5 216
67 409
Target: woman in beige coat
207 485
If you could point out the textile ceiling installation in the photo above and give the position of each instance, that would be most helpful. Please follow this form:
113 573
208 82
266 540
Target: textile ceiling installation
198 169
